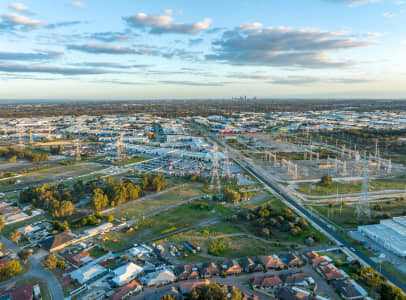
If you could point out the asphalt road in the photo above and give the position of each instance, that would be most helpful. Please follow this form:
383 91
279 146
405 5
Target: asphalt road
36 271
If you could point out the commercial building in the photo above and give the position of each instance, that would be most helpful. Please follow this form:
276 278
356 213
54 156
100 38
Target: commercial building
390 233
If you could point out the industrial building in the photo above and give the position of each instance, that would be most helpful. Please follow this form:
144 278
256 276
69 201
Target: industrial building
390 233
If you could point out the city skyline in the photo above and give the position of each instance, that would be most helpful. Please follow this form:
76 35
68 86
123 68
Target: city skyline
155 49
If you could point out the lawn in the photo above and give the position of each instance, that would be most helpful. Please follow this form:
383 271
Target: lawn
351 187
45 294
172 197
96 252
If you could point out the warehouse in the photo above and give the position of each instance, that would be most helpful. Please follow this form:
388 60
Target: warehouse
390 233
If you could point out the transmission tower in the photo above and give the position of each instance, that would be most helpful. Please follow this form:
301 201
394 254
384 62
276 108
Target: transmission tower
49 135
77 143
226 167
362 207
30 137
119 146
20 138
215 184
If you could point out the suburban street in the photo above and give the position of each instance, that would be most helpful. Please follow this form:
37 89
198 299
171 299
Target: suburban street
36 271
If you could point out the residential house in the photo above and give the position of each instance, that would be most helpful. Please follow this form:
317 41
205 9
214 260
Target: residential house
330 272
268 284
298 279
291 260
187 272
293 293
187 287
126 290
315 259
88 273
231 267
22 293
251 265
209 270
57 242
170 291
125 274
272 262
349 289
159 277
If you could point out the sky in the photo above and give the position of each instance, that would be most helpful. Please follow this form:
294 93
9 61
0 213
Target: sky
183 49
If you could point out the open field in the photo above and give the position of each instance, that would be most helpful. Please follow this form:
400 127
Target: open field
131 160
137 210
176 219
52 174
346 218
398 183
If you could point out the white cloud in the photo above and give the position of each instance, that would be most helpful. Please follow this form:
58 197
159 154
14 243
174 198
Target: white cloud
168 11
77 4
20 7
284 47
101 49
159 24
13 20
250 26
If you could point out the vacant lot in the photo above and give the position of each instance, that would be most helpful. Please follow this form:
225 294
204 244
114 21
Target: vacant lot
346 217
316 189
173 220
162 201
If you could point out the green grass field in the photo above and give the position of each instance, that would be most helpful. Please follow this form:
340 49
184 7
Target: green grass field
131 160
160 202
346 218
176 219
246 246
316 189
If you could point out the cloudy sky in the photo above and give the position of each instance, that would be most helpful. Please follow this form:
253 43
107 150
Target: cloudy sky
152 49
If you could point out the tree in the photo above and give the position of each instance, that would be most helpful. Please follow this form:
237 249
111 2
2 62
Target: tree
213 291
110 218
390 292
231 196
326 180
50 261
15 236
2 222
1 246
65 209
61 264
100 201
24 255
168 297
12 159
10 269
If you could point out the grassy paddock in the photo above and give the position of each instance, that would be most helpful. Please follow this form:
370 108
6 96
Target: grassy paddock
352 187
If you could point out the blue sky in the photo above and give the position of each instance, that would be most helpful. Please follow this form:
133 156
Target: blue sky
127 49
